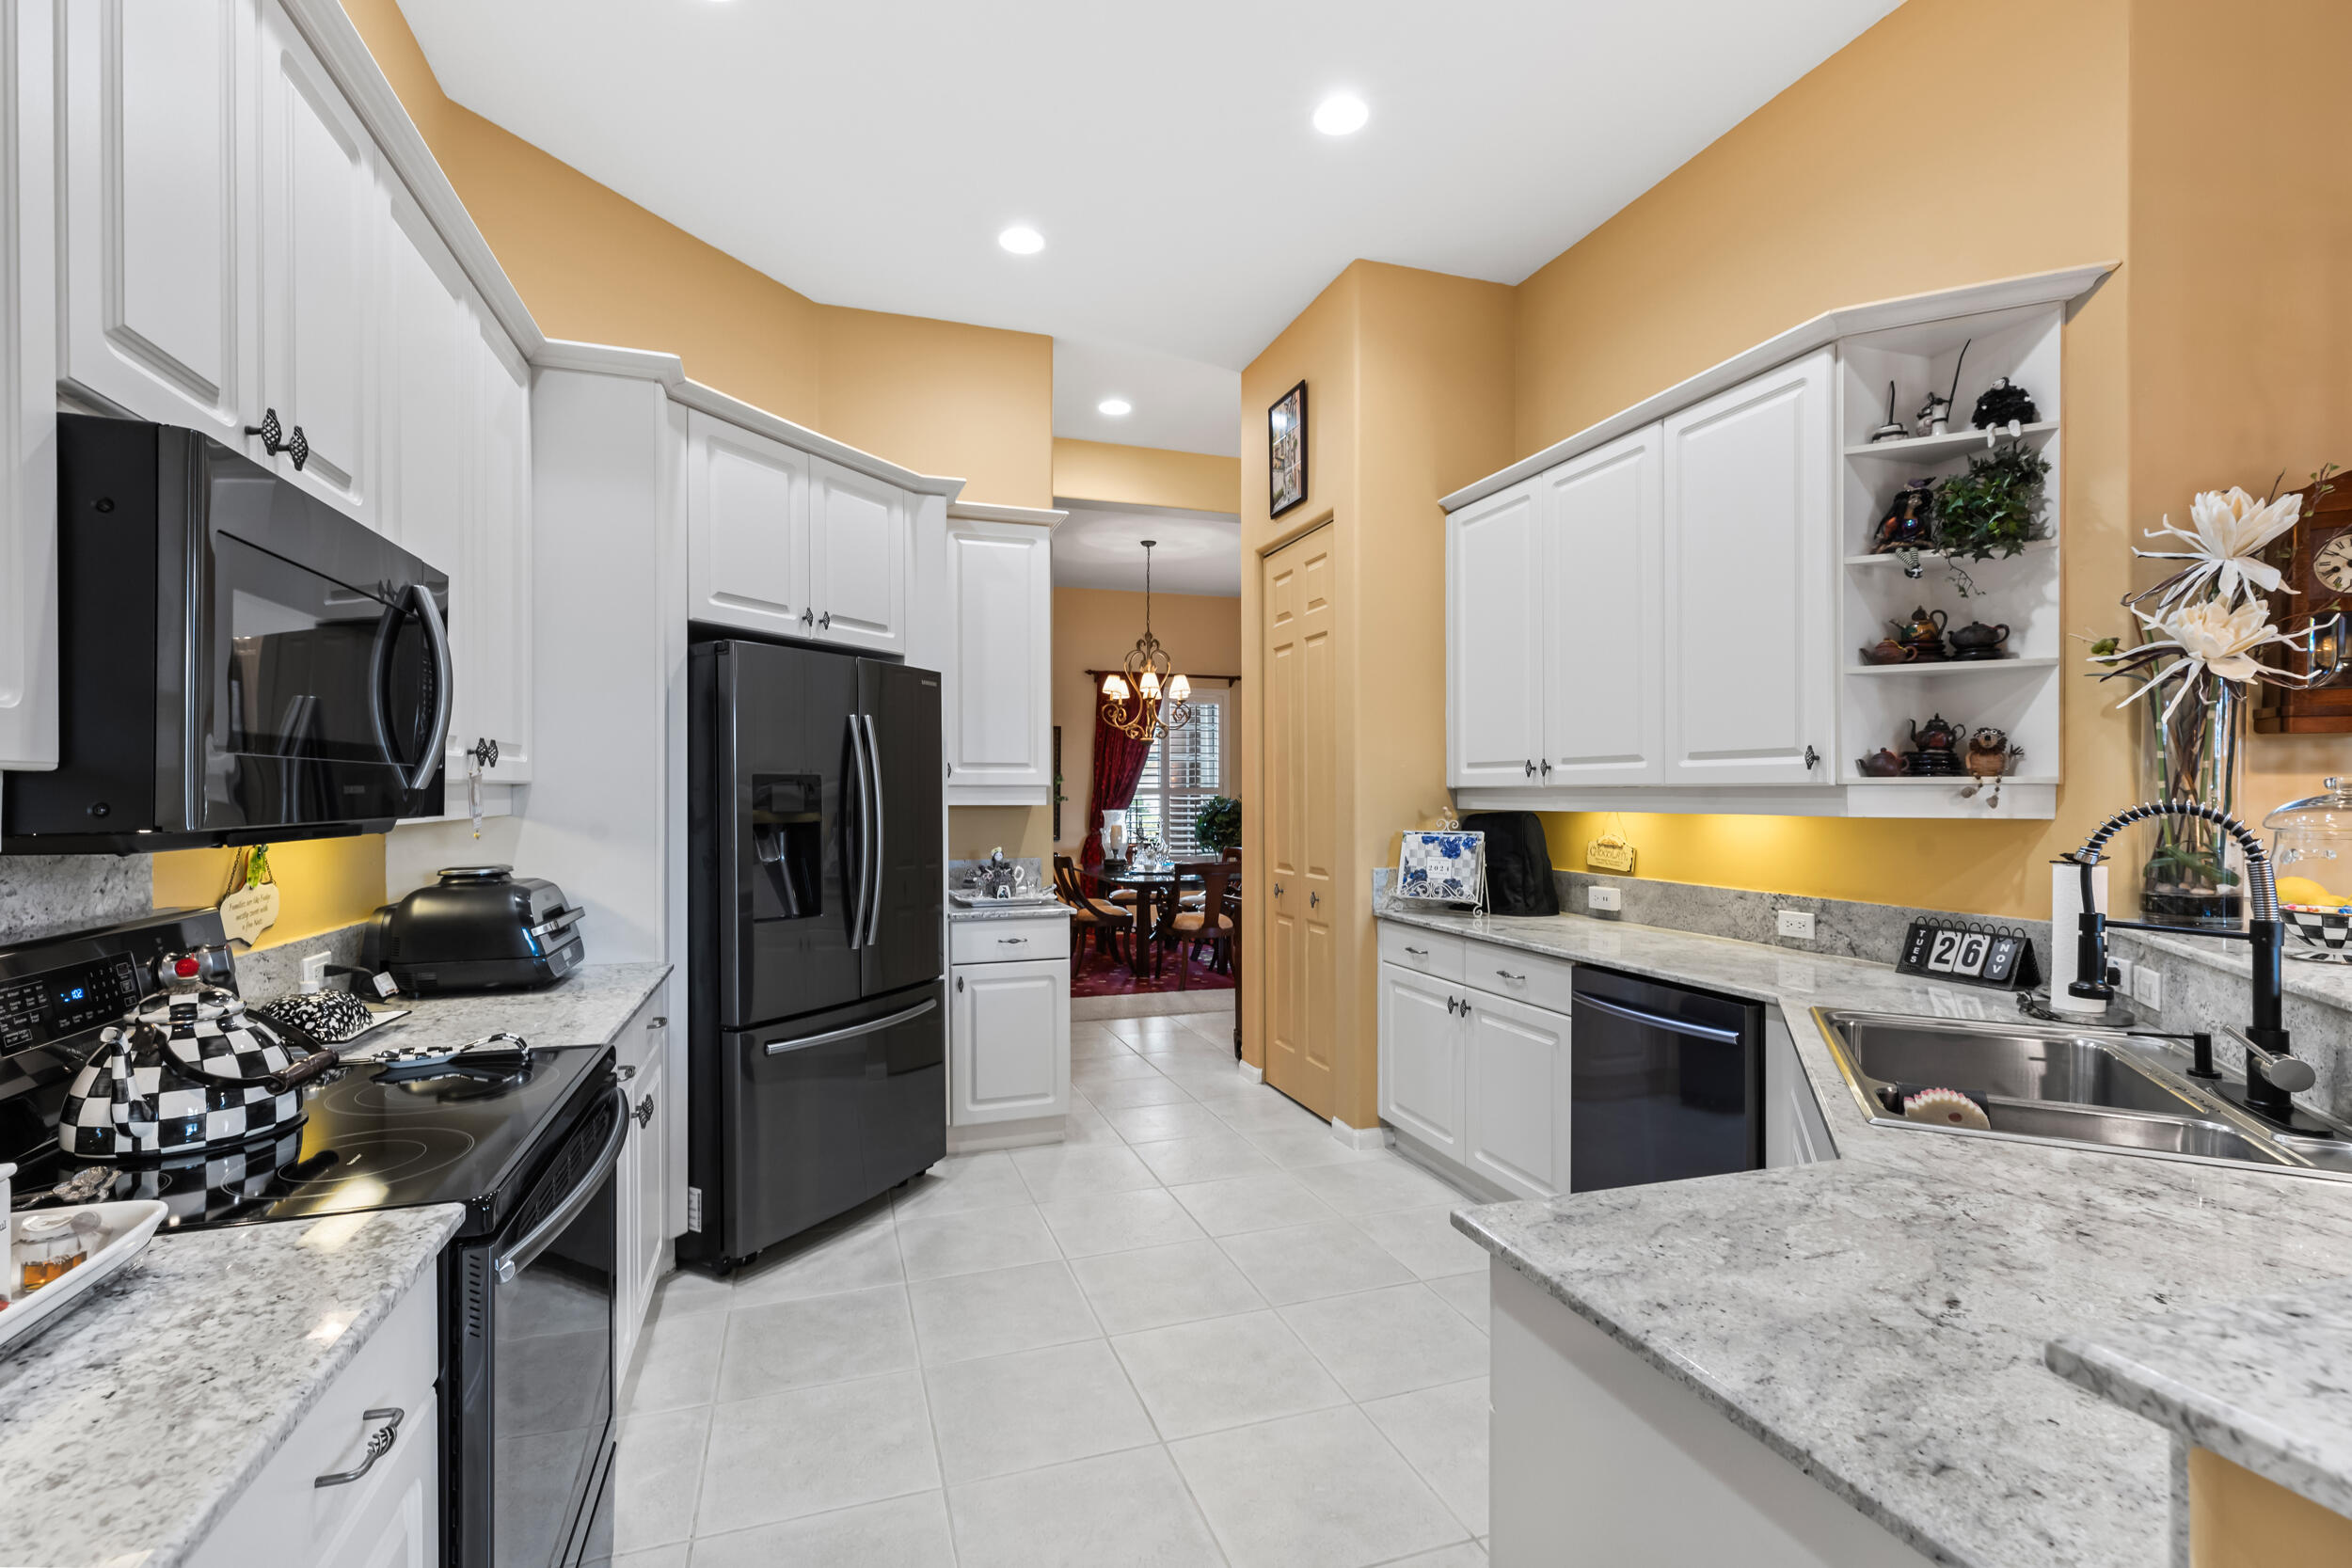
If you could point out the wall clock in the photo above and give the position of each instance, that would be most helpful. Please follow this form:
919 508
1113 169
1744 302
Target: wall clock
2315 559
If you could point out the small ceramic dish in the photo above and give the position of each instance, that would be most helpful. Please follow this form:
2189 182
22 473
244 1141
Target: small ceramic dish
123 1230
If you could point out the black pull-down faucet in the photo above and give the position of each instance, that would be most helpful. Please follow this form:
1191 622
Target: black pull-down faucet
2273 1073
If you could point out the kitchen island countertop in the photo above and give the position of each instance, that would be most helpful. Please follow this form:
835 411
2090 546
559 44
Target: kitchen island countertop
1881 1320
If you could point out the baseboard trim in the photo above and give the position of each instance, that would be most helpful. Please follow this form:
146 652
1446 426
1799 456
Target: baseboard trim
1360 1137
1250 1070
1007 1134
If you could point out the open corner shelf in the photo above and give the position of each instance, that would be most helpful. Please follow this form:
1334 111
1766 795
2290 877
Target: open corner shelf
1915 448
2033 546
1951 667
1951 780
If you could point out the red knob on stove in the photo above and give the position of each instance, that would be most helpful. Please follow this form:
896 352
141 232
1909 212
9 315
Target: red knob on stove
184 967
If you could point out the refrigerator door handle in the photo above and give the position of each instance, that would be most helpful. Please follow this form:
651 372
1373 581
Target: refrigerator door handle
777 1048
874 889
864 832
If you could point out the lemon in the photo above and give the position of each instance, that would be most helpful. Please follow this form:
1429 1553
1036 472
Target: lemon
2302 890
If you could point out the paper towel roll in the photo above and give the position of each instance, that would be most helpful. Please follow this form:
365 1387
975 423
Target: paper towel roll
2066 909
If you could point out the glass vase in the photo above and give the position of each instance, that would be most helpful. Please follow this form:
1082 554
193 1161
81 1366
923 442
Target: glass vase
2192 876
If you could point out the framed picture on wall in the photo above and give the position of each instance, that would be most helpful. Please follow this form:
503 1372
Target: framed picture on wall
1286 450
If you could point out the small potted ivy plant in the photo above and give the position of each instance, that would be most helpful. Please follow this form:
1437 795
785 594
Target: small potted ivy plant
1994 509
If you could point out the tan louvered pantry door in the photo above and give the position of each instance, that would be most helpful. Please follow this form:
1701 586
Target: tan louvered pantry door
1300 812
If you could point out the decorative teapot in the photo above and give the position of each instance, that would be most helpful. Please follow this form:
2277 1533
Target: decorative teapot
1887 651
1938 734
1977 640
1882 764
188 1071
1923 632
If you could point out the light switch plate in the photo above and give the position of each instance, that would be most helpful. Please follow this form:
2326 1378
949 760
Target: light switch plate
2148 987
1604 898
1796 923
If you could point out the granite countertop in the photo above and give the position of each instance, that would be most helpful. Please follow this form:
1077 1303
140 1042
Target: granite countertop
2265 1383
1047 908
131 1423
585 1007
1881 1318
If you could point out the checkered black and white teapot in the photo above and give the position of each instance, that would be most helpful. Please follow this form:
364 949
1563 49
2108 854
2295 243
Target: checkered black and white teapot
188 1071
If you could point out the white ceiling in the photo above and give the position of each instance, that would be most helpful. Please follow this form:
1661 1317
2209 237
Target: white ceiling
1101 547
1181 403
867 154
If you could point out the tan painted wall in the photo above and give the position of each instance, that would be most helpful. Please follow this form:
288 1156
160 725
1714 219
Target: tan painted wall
1789 215
2237 1519
940 397
1409 397
2241 227
1093 629
1145 476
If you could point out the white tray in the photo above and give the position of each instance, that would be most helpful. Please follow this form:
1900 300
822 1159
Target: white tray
126 1227
974 901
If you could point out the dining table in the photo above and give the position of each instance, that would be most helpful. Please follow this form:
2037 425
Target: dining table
1159 889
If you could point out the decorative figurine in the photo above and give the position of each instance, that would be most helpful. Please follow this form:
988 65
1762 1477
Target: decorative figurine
1907 525
1987 752
2004 403
1935 414
1892 430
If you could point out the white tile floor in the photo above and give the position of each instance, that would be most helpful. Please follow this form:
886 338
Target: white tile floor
1203 1332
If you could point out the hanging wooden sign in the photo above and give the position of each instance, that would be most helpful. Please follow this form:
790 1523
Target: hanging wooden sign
251 906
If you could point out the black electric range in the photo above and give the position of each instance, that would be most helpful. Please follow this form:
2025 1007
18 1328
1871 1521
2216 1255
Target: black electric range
526 1286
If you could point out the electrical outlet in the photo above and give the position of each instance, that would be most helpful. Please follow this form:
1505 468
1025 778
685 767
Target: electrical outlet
1598 898
1794 923
2148 987
2125 969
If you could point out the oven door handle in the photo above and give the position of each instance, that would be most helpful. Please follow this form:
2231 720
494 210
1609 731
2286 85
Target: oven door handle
541 1236
1673 1025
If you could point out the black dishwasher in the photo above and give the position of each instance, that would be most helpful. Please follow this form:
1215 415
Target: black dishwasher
1665 1083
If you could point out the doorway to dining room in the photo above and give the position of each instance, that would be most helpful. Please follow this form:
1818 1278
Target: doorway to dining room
1148 826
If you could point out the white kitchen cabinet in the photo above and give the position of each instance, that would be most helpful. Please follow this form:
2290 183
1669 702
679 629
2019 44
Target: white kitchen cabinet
428 414
747 529
1474 1077
497 620
1421 1058
319 287
1748 543
641 1177
1495 616
857 555
1795 1131
157 289
998 695
387 1517
1009 1041
1516 1096
28 397
1599 514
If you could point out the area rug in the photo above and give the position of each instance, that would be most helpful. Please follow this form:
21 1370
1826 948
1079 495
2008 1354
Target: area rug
1098 974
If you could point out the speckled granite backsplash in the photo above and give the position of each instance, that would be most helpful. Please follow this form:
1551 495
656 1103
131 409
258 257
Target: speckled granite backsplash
42 895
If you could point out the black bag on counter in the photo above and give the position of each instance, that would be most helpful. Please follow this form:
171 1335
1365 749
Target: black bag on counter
1519 863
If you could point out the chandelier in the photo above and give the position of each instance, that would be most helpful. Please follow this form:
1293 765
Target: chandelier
1147 698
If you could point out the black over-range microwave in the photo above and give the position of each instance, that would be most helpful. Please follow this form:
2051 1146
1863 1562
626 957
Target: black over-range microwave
238 660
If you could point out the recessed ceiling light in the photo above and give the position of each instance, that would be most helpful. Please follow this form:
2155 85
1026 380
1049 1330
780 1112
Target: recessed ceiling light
1022 239
1115 407
1342 114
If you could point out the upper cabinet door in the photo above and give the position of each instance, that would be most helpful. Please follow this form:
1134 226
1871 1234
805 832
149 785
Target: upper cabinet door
1748 556
319 212
428 414
857 552
1494 641
498 562
1600 512
156 291
28 390
747 529
999 675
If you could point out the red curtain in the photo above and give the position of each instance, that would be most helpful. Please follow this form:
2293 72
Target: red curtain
1119 760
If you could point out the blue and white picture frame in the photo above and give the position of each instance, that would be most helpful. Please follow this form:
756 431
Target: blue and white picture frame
1444 868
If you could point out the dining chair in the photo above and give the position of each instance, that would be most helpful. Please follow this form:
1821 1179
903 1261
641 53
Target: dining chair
1088 914
1205 926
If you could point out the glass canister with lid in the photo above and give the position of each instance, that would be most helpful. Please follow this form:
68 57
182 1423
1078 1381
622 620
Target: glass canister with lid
2310 849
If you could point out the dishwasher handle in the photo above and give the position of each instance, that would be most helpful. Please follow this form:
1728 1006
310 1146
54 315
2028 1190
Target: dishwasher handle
1656 1020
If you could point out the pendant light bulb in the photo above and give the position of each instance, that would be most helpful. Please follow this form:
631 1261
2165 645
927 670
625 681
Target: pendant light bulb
1180 689
1115 687
1150 683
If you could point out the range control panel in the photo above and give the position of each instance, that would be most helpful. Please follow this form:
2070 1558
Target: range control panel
54 989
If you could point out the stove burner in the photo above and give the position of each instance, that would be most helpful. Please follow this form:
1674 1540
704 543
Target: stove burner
380 1158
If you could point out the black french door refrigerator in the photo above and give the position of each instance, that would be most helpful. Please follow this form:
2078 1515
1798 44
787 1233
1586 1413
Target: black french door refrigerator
818 1033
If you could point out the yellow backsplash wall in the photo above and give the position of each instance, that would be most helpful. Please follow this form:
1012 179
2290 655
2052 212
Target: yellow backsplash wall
323 883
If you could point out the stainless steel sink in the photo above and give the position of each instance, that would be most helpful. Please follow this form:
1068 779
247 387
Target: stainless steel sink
2010 1061
2063 1085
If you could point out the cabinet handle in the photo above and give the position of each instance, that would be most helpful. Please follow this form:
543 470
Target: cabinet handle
1530 767
484 750
1466 1006
1417 952
272 434
1812 759
808 617
1313 899
623 1073
1012 942
379 1444
644 1116
959 982
1515 979
1451 1002
1546 768
824 622
658 1023
298 449
1278 890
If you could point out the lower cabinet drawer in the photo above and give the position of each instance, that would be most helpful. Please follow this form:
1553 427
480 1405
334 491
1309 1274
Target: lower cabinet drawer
1010 941
1430 953
284 1517
1522 977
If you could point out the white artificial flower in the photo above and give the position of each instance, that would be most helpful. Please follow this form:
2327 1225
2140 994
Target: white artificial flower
2209 635
2231 527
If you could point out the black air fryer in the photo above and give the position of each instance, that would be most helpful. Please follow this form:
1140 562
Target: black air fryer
479 928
